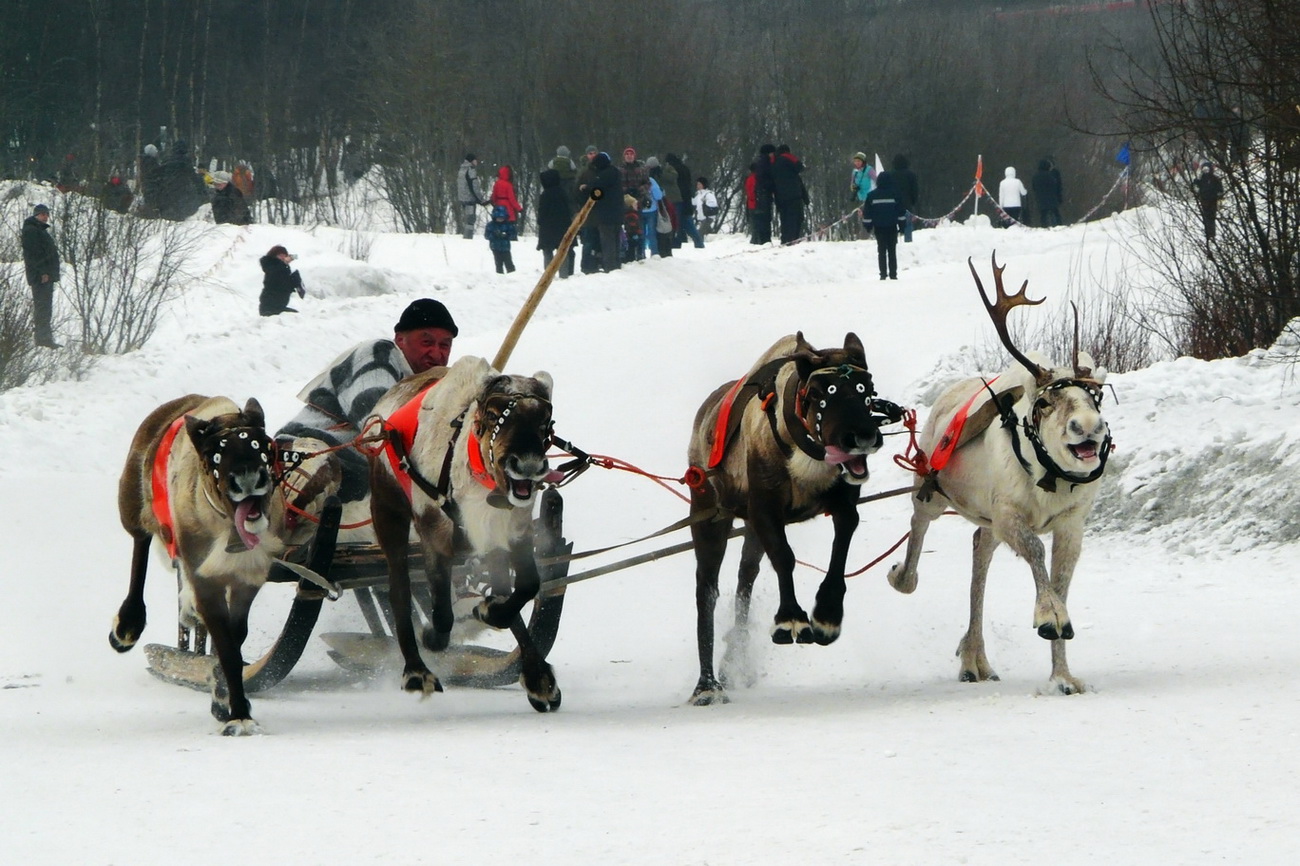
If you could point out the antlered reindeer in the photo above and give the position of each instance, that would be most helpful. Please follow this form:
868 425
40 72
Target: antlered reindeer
1027 476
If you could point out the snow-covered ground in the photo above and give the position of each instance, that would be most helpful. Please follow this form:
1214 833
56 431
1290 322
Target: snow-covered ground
867 751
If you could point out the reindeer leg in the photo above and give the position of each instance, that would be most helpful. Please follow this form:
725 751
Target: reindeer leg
1067 543
437 637
227 624
828 612
974 664
902 575
710 538
790 625
501 612
737 664
392 521
536 676
129 623
1050 616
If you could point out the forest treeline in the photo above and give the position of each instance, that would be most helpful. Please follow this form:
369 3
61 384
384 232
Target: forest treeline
311 94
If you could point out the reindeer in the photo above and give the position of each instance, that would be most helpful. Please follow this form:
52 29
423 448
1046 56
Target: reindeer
787 442
201 476
483 436
1027 476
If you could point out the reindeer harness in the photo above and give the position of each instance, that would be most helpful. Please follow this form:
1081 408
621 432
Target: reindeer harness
1029 428
278 462
794 402
399 436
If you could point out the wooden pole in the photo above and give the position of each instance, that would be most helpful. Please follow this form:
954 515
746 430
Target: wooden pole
530 305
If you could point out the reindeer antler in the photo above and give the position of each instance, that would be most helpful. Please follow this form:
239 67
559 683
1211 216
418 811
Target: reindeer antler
1079 372
998 313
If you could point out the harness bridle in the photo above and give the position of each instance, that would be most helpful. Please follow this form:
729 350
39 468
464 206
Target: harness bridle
796 407
1029 427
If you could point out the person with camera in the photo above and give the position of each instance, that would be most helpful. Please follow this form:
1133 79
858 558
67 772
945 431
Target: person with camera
279 282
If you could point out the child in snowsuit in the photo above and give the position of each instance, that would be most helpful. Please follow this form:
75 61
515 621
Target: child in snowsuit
634 251
499 233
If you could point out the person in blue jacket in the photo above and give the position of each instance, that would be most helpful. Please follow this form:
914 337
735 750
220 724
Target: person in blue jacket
883 213
499 233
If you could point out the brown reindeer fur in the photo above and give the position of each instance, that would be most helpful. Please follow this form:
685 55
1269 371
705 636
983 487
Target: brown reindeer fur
219 574
769 486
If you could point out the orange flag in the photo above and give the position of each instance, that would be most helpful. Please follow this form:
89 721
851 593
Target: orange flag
979 173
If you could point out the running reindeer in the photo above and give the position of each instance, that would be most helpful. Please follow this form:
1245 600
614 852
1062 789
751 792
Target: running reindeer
201 476
785 443
1029 475
481 501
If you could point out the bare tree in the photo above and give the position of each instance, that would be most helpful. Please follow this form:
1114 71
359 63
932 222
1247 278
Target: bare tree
1222 92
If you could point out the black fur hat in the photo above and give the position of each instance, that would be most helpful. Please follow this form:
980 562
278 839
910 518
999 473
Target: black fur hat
426 313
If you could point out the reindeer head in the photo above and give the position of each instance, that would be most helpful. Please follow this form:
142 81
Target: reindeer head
238 458
836 400
513 429
1064 422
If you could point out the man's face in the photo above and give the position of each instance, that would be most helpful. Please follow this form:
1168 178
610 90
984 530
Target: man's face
629 155
425 347
43 216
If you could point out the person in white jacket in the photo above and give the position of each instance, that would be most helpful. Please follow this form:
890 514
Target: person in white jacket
706 206
1011 193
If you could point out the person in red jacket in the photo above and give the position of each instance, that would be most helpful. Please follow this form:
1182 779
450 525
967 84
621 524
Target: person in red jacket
751 202
503 194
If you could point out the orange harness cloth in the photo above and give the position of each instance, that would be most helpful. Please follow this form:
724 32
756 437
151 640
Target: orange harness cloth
476 467
948 443
405 422
720 430
162 505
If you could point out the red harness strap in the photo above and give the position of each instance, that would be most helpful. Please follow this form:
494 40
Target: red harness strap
162 506
720 430
951 436
476 467
405 422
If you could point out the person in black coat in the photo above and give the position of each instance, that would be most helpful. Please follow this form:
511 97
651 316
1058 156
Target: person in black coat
909 192
686 226
278 283
608 210
228 206
883 213
41 261
1208 189
789 193
554 214
1046 184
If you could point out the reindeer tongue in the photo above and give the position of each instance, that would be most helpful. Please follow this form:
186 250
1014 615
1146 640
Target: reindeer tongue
837 456
248 509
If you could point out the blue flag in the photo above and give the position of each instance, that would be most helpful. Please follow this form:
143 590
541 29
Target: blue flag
1123 156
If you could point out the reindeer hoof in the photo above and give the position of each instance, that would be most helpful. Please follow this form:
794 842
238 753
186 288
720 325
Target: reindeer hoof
420 682
493 614
708 695
824 634
547 706
436 641
240 728
1064 685
973 677
1048 631
792 630
123 643
901 581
